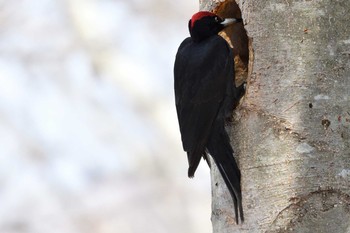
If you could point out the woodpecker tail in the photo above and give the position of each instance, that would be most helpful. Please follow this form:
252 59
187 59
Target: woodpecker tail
220 149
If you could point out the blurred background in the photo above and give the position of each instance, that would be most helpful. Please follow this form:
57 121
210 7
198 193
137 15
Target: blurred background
89 139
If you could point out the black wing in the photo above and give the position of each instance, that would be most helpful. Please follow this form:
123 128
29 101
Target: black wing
202 73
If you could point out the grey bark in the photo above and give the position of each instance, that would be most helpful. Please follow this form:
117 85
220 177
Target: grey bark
291 135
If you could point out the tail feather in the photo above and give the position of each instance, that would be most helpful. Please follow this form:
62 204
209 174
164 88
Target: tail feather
193 163
220 149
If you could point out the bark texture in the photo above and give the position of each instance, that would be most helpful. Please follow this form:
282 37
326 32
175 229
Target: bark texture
291 135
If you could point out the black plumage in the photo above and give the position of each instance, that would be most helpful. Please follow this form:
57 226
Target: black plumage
206 95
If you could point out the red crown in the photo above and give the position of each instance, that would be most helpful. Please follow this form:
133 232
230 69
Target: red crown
200 15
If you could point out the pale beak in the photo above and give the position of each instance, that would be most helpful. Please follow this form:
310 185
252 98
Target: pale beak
230 21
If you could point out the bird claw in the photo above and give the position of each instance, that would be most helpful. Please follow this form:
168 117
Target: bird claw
241 89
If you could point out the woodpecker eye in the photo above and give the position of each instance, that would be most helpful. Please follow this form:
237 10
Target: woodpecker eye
217 19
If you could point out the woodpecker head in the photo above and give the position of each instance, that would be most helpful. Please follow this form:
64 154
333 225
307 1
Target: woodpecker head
204 24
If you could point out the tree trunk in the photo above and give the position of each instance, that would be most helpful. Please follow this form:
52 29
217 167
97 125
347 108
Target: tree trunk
291 135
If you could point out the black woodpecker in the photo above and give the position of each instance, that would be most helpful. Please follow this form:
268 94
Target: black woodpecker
206 95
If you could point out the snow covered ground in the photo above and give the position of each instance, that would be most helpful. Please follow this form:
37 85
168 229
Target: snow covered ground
89 139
